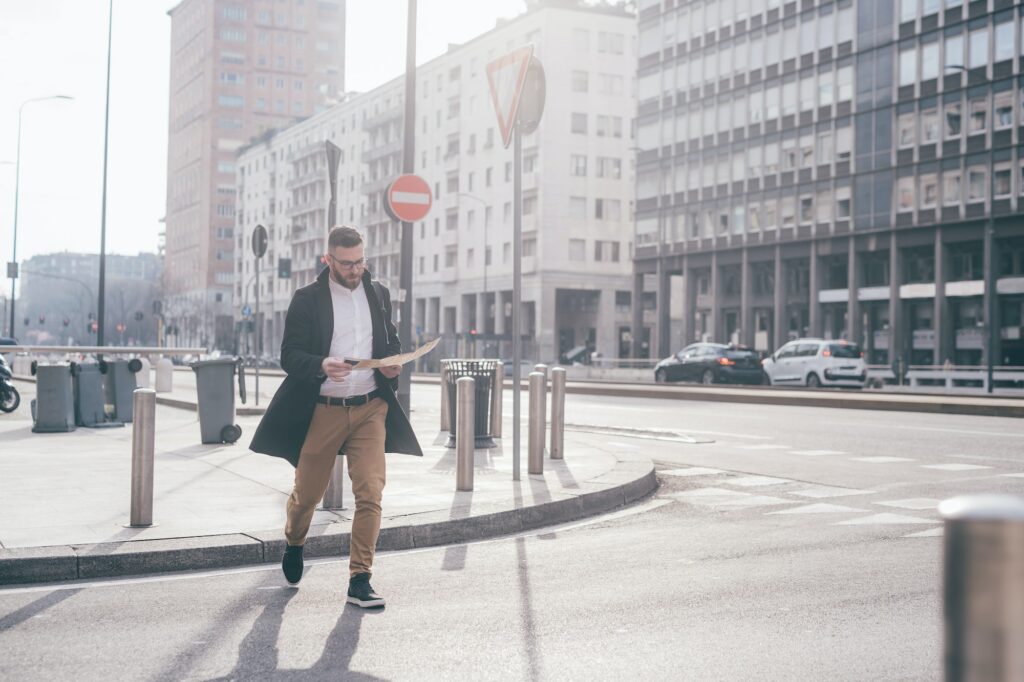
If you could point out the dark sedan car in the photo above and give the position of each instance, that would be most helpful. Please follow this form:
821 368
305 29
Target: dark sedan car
711 363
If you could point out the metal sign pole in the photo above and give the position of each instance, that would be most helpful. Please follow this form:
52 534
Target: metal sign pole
257 328
408 167
517 293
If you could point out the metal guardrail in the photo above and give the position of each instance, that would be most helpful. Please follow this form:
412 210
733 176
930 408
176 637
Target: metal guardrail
106 350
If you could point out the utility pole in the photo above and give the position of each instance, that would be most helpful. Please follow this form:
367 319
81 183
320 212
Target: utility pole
408 167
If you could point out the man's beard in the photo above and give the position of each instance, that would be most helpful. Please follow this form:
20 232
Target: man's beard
344 281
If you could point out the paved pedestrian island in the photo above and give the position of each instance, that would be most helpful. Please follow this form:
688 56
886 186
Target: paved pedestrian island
65 497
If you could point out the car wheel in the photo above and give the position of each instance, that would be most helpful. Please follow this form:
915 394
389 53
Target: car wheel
707 378
766 380
813 381
661 376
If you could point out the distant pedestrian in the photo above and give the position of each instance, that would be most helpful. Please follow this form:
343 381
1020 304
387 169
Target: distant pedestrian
324 406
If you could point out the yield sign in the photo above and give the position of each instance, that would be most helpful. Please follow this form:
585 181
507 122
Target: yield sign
505 77
408 199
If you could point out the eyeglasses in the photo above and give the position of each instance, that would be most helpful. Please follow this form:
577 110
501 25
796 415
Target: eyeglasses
349 264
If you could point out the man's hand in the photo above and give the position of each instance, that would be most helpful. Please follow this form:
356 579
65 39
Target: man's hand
336 369
391 372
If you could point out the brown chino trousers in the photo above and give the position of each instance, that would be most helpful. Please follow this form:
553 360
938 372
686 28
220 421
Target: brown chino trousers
360 430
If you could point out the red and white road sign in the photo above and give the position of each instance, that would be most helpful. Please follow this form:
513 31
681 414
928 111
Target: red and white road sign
505 77
408 199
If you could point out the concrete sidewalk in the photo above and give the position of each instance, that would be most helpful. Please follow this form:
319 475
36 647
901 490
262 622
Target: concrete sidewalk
65 497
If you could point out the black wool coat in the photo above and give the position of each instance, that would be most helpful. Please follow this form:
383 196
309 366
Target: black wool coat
308 329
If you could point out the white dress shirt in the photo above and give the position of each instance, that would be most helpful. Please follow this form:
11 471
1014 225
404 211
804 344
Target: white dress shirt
352 338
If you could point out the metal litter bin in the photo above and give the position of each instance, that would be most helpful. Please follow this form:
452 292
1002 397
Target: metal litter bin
216 394
119 385
53 410
482 371
89 400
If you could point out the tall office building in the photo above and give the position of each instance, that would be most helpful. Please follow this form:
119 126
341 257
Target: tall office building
844 169
577 193
238 69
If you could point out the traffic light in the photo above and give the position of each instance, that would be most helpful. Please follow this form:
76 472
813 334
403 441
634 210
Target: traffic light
94 326
138 316
284 268
120 327
158 307
26 321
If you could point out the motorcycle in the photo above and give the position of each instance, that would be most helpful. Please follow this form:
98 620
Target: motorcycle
9 396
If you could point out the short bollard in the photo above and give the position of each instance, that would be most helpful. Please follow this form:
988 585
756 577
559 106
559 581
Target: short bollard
535 457
984 588
142 377
143 442
543 369
497 396
558 413
334 496
445 417
164 375
465 432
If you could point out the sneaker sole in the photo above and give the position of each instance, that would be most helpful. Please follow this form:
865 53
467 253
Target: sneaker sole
366 604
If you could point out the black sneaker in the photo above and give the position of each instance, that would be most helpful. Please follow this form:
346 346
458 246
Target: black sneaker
291 564
361 594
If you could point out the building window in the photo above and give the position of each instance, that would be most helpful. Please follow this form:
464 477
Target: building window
906 123
231 101
609 167
787 210
579 123
529 204
929 61
451 256
929 126
580 81
978 48
806 209
529 247
929 190
908 66
953 119
1003 117
1001 181
607 209
842 203
844 143
1004 41
978 122
908 10
954 52
905 194
951 188
578 165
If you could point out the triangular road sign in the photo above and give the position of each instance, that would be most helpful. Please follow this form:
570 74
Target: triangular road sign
505 77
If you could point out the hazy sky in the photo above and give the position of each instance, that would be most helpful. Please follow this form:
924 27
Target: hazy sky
59 47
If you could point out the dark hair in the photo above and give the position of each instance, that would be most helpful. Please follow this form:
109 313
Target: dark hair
344 236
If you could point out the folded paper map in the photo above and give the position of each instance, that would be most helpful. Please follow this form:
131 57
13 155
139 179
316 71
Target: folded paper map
393 360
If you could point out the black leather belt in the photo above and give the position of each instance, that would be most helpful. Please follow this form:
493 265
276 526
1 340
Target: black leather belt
350 401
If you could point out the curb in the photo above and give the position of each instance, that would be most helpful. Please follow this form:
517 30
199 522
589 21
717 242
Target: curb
626 483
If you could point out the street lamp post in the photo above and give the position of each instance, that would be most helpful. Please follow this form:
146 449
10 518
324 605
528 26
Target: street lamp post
482 323
12 267
101 312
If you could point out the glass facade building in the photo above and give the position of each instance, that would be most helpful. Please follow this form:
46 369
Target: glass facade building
849 169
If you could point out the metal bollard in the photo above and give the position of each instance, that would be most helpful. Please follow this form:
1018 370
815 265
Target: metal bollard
543 369
445 416
465 433
497 397
984 587
535 462
334 496
558 413
164 375
143 443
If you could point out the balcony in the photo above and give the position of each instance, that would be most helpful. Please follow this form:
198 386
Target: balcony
380 151
395 113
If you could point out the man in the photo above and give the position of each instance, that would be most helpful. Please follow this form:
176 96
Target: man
325 406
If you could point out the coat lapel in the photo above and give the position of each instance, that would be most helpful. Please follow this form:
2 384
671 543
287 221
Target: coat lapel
325 311
380 340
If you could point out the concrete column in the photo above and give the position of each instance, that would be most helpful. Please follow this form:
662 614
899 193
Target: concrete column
940 323
434 315
993 338
779 330
547 325
853 321
713 323
499 312
607 330
663 348
896 328
638 313
814 279
688 304
481 313
463 314
746 312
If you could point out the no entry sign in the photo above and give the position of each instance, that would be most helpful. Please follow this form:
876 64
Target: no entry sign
408 199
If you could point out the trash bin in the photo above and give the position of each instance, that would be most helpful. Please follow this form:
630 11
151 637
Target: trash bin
216 394
483 372
89 400
53 410
119 386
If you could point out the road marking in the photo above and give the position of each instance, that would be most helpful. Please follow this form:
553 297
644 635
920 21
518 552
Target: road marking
720 497
883 520
820 508
763 446
917 503
817 453
692 471
881 460
1012 475
620 444
756 481
823 491
954 467
930 533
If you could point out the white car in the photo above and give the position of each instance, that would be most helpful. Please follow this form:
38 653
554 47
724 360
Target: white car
817 362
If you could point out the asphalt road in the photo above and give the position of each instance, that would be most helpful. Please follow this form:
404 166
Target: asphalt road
784 544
